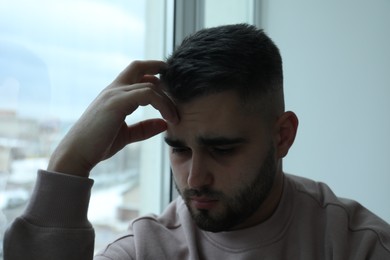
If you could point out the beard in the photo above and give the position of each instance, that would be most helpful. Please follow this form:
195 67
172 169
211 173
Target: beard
236 207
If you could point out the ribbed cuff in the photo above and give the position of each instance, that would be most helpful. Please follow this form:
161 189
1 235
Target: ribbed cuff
59 201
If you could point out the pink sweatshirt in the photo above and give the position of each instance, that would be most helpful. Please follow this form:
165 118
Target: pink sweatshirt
309 223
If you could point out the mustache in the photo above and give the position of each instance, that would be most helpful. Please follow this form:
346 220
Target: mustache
203 192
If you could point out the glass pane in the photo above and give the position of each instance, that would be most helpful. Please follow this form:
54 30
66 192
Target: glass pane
240 11
55 57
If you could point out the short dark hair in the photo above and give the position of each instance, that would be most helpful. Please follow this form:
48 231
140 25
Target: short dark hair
236 57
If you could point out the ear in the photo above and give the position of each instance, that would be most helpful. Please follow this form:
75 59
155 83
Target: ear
285 131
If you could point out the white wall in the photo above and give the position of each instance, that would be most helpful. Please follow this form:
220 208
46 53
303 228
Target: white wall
337 79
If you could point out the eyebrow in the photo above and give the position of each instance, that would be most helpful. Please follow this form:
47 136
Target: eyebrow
220 141
207 141
174 142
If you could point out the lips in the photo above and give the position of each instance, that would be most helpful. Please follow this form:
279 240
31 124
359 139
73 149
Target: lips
203 203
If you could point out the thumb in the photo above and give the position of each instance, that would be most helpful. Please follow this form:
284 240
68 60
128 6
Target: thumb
146 129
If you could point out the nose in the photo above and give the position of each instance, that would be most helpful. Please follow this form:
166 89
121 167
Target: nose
199 173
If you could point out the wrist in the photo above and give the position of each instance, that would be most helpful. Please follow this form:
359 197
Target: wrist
68 164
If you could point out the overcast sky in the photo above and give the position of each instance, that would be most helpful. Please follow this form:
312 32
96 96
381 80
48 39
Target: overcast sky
56 56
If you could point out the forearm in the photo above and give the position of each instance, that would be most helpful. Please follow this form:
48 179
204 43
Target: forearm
54 224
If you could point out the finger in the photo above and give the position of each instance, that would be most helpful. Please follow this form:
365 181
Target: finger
146 82
134 72
160 101
145 129
157 86
151 79
143 94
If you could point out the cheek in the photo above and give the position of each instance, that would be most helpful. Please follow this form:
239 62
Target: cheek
247 171
236 177
179 172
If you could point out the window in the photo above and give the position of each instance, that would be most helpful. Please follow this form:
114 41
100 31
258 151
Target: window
215 12
55 57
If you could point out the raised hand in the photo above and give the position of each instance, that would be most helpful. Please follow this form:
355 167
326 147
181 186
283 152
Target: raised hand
102 131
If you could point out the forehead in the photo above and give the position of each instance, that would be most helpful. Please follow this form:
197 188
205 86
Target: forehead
215 115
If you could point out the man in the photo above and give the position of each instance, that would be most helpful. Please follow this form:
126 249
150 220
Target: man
221 97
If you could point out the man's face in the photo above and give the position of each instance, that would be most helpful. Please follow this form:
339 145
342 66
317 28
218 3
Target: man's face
223 161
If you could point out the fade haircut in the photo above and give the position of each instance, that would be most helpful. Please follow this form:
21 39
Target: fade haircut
236 57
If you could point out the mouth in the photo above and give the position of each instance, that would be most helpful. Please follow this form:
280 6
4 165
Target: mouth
203 203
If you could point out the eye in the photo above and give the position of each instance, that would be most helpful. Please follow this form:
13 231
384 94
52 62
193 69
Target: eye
228 150
180 150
